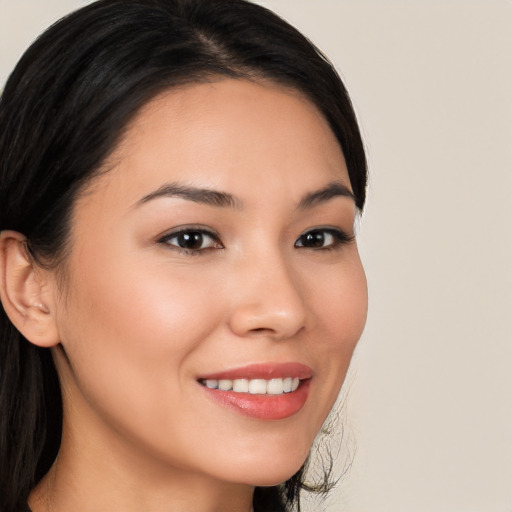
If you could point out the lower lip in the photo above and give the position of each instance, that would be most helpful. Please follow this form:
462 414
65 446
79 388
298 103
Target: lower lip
264 407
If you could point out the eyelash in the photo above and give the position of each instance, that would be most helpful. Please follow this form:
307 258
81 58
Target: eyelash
339 239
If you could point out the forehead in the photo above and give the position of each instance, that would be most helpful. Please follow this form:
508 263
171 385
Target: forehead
228 134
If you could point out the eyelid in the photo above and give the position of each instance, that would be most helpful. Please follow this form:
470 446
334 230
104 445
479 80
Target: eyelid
196 228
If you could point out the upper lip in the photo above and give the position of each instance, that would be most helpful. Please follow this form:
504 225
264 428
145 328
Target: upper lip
263 371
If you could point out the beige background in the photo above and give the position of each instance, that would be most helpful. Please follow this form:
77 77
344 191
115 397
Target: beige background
430 401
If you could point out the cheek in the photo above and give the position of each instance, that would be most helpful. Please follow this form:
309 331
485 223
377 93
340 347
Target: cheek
128 330
341 309
341 306
141 306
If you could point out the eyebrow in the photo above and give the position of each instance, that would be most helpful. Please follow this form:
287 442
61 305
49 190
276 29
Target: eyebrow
226 200
333 189
195 194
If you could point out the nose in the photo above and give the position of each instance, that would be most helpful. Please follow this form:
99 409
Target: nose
268 300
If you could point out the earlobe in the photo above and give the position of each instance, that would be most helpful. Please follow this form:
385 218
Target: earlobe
25 293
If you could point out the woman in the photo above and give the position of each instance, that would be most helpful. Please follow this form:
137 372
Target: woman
181 286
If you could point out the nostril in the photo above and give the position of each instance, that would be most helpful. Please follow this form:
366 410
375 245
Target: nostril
260 330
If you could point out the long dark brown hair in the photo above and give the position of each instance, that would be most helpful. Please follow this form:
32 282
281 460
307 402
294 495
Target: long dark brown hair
63 110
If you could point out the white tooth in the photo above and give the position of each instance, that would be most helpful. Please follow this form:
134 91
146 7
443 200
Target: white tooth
225 385
255 386
275 387
241 385
258 386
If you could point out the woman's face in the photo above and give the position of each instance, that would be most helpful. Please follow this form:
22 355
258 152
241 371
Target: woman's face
216 252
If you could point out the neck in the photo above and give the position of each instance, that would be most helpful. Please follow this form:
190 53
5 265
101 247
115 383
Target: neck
70 485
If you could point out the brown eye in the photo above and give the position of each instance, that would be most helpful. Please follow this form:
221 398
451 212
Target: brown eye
192 240
323 239
313 239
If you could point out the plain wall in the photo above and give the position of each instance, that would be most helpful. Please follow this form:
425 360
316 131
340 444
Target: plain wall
430 399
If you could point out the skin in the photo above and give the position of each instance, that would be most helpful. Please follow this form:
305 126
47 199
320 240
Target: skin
138 320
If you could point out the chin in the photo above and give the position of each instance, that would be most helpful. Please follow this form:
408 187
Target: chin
273 479
272 471
265 460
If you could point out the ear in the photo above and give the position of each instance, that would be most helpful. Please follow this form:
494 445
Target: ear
26 291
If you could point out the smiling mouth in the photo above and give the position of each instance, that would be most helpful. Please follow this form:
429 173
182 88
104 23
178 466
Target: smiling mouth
263 399
278 386
264 391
